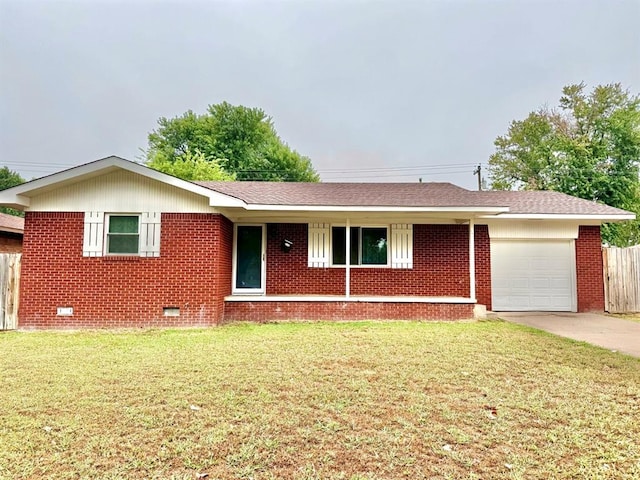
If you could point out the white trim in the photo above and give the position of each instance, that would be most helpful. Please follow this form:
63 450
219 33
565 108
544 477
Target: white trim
550 216
350 208
472 260
263 262
105 244
339 298
347 257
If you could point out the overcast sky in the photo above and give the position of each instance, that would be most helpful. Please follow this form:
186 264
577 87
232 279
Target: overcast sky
370 91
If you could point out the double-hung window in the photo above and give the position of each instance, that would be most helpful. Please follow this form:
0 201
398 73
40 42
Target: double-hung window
367 246
123 235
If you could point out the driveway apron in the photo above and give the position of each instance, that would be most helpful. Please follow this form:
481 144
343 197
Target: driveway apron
607 332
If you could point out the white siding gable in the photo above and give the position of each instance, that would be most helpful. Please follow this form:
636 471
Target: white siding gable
120 191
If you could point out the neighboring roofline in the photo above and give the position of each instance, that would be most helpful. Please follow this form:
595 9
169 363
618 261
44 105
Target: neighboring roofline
18 196
12 230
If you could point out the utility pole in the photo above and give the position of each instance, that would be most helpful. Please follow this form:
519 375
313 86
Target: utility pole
478 171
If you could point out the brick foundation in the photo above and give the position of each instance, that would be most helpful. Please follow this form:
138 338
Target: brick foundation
283 311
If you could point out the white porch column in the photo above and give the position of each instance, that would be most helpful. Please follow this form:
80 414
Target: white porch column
472 260
347 267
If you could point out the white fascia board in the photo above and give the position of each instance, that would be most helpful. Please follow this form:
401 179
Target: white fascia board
19 195
333 208
10 199
549 216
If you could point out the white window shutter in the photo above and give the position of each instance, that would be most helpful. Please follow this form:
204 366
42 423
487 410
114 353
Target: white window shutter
150 234
401 245
93 234
319 243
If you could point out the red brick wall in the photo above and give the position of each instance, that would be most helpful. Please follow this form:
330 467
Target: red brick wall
288 273
193 273
483 265
276 311
440 266
10 242
590 281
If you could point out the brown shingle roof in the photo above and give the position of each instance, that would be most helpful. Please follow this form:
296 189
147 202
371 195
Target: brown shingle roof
406 195
350 194
11 223
550 203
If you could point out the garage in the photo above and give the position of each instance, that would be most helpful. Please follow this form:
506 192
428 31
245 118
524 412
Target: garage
533 275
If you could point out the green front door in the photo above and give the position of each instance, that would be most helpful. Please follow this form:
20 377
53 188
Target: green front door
249 259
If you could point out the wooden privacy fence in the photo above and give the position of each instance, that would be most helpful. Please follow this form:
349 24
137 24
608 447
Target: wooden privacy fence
621 279
9 289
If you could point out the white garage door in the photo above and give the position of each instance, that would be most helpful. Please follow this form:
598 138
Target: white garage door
530 275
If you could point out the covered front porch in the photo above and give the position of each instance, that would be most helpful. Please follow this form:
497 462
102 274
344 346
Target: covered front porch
430 268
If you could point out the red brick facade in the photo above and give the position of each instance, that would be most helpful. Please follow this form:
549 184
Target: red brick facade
440 266
192 273
10 242
483 265
590 281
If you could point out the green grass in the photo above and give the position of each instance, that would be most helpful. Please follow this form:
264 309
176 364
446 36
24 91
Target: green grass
317 401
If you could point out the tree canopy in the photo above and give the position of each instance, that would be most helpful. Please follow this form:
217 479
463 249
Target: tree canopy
242 142
191 166
588 147
8 179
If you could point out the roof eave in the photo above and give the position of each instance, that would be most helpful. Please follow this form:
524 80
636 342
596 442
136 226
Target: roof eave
563 216
476 211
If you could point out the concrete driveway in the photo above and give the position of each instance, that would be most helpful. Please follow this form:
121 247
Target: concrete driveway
597 329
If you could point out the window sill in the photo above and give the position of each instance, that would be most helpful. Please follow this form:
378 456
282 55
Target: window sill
361 266
121 258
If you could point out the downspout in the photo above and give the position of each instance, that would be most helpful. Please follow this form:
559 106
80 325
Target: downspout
472 261
347 270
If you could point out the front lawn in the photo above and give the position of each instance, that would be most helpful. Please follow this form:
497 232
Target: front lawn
486 400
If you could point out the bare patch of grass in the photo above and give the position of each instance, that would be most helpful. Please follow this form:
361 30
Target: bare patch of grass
634 317
317 401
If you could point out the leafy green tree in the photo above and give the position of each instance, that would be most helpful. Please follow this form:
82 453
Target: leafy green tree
242 140
8 179
588 147
191 166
